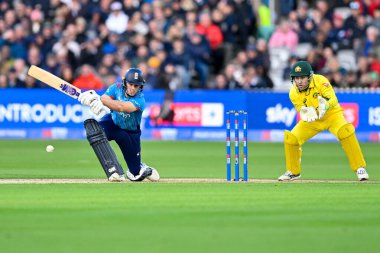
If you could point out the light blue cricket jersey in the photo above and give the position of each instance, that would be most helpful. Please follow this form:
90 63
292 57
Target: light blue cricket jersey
125 120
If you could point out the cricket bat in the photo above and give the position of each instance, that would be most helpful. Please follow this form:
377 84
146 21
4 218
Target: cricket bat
54 81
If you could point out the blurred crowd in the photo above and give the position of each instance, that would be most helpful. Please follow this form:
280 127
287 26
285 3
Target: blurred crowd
189 44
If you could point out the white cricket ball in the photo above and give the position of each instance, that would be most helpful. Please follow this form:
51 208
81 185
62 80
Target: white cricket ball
49 148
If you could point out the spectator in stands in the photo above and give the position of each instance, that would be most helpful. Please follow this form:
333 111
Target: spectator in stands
168 78
293 21
376 18
302 14
372 5
340 37
240 62
308 32
169 16
5 59
13 80
175 32
67 44
370 42
245 19
224 17
283 36
355 13
320 41
220 82
252 56
66 73
363 66
179 58
351 79
266 81
293 59
374 81
87 79
370 80
142 55
326 55
10 17
110 44
262 58
3 81
21 69
265 27
199 50
250 79
146 12
166 114
287 6
137 25
338 79
51 64
30 83
130 7
108 61
323 7
18 42
48 37
359 29
330 60
34 56
90 50
232 76
214 36
117 21
318 17
313 57
374 62
151 70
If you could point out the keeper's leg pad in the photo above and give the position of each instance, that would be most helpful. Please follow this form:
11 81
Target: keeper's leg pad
347 137
293 153
102 148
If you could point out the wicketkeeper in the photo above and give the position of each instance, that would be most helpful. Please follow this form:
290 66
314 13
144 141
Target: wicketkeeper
122 104
314 98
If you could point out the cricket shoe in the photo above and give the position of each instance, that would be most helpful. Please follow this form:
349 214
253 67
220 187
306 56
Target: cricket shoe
154 177
362 174
145 172
115 177
288 176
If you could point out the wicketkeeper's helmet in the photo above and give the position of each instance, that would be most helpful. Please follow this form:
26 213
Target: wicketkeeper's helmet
301 68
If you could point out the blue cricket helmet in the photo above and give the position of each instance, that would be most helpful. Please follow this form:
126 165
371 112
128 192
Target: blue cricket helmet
134 76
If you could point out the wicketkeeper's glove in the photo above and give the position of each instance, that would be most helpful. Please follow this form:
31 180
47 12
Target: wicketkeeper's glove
308 114
323 106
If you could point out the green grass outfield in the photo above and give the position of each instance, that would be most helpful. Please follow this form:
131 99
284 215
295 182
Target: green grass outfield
340 215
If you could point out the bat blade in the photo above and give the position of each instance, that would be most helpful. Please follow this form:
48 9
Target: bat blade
54 81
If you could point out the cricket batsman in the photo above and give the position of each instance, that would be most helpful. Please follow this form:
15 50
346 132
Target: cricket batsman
314 98
124 103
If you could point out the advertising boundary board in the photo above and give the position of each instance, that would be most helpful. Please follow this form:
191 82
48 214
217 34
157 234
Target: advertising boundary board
198 115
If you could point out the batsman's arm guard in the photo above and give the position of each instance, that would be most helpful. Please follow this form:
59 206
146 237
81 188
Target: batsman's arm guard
103 150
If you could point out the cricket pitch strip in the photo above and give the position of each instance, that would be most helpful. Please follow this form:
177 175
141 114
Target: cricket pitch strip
178 181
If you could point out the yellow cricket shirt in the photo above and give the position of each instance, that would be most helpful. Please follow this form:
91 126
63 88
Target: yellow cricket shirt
319 86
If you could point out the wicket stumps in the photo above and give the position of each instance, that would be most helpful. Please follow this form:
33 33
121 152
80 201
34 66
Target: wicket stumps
237 115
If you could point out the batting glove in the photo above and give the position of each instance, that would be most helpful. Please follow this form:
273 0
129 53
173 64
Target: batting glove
323 106
87 97
96 106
